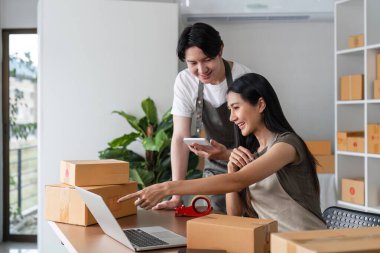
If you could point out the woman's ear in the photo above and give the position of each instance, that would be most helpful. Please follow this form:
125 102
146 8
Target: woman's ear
262 104
221 50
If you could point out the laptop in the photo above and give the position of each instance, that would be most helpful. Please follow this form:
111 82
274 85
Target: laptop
137 239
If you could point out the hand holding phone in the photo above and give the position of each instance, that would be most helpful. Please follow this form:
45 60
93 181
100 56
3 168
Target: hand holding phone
200 141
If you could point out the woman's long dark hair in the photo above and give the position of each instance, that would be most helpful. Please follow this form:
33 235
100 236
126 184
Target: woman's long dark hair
251 87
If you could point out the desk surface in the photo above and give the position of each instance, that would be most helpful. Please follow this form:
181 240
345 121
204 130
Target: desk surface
92 239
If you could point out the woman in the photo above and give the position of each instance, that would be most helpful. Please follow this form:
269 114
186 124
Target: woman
272 176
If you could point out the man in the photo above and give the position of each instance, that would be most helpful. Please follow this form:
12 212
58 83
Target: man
200 90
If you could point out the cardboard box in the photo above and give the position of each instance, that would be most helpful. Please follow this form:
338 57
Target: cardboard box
378 66
376 89
64 204
353 190
343 138
231 233
322 147
352 87
96 172
364 240
326 163
356 41
373 138
355 144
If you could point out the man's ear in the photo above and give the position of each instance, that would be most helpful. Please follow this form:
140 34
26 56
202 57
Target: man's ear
262 104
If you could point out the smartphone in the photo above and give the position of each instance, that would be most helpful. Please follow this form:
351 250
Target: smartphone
200 141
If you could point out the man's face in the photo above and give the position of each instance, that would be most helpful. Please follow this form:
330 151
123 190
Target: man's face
206 69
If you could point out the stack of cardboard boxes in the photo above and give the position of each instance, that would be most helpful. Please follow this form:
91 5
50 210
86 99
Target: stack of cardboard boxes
321 150
107 178
351 141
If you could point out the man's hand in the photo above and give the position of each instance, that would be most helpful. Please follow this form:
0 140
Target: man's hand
216 151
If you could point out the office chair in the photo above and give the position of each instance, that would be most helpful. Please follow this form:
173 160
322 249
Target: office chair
339 217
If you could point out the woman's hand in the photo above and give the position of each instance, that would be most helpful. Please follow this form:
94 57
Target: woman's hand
149 196
239 158
216 151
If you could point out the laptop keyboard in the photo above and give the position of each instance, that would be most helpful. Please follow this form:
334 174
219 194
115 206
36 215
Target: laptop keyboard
143 239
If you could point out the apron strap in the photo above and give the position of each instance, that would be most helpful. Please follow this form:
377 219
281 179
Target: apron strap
199 103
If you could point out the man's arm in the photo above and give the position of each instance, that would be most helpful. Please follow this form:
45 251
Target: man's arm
179 157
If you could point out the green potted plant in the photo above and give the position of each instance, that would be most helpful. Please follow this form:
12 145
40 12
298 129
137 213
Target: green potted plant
155 137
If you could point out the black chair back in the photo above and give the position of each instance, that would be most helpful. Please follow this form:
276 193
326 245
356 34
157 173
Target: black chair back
339 217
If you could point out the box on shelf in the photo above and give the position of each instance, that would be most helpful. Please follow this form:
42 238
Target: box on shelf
64 204
353 190
378 66
343 138
356 41
94 172
326 163
352 87
355 144
319 147
376 89
356 240
231 233
373 138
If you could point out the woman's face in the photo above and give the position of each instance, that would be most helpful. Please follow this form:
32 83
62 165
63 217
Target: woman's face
206 69
246 116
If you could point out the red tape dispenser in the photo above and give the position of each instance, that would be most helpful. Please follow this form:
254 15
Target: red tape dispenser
193 210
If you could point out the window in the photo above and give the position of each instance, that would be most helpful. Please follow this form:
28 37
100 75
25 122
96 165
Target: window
19 134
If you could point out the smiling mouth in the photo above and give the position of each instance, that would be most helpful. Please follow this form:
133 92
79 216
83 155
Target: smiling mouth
241 125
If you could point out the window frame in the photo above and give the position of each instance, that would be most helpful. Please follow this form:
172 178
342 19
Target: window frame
5 124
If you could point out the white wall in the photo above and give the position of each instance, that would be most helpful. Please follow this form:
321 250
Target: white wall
297 59
13 14
111 58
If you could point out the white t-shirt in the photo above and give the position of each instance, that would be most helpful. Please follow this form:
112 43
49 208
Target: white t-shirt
186 91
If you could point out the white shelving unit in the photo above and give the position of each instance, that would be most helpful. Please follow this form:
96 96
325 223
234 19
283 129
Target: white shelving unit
354 17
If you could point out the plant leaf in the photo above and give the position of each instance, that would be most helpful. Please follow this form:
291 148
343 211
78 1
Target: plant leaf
149 144
132 120
124 141
150 110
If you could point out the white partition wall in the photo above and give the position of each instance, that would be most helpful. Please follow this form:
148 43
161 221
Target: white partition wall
97 56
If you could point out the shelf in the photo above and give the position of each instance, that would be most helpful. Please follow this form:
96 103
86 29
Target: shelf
351 206
373 101
351 102
350 51
375 209
350 153
373 155
376 46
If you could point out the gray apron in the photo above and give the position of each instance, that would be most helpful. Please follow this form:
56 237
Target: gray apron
217 124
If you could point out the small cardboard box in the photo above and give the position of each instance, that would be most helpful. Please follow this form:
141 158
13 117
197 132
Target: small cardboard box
353 190
231 233
64 204
358 240
373 138
356 41
96 172
322 147
352 87
343 138
355 144
326 163
376 89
